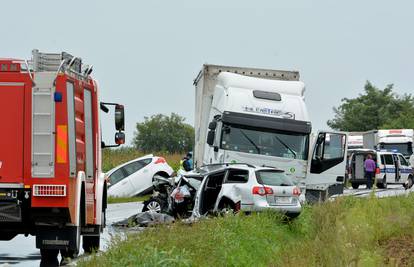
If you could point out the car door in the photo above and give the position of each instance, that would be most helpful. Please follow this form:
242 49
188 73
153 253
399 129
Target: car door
389 167
119 184
137 177
327 160
405 169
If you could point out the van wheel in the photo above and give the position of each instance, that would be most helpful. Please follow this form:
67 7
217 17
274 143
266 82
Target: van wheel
409 183
355 186
384 183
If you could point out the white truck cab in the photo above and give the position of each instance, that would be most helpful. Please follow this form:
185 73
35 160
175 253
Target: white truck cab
259 116
393 140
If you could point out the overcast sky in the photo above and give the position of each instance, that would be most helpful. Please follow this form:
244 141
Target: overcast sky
146 53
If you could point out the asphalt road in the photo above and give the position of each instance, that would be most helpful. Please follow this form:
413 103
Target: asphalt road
21 251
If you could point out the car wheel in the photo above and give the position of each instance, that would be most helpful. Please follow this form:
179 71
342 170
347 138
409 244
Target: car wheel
355 186
227 209
153 205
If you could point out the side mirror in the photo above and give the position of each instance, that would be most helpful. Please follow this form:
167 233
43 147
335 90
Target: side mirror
210 137
119 118
119 138
212 125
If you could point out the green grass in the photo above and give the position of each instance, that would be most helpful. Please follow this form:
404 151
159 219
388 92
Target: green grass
113 200
346 232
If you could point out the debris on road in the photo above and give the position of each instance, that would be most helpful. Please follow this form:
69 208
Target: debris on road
145 219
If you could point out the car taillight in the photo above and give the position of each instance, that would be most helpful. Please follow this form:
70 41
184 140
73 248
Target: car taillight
262 190
377 171
296 191
160 160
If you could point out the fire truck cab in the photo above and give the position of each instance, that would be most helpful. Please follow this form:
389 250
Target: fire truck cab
51 183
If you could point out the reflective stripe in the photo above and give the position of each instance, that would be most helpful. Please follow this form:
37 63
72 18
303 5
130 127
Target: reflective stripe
62 143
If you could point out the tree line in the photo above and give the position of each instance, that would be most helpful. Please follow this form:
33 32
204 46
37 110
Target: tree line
374 109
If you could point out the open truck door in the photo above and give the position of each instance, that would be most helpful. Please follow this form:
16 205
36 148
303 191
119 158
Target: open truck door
326 167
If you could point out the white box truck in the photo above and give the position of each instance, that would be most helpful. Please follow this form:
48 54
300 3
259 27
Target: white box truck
355 140
393 140
259 116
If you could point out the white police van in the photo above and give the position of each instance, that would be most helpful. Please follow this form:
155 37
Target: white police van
392 168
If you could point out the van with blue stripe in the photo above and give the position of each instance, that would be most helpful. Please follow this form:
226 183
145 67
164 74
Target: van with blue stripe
392 168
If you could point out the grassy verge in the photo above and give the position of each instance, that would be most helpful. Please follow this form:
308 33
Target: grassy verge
114 200
345 232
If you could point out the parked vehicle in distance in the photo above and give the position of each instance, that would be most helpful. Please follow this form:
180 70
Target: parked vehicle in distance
234 187
393 140
136 176
391 168
355 140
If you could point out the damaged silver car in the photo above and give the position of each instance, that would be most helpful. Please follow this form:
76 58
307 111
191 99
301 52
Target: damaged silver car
243 187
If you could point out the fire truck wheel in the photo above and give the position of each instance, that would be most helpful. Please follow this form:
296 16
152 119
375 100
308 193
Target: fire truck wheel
72 253
91 243
49 257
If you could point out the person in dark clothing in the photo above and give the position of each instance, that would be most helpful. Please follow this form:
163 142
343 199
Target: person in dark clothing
369 166
187 162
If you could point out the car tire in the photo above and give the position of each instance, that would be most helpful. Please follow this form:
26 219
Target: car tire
154 205
355 186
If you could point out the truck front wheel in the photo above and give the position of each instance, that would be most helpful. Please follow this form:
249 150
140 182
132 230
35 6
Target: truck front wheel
91 243
355 186
49 257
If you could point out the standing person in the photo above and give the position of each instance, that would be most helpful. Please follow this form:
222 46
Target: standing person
187 162
369 166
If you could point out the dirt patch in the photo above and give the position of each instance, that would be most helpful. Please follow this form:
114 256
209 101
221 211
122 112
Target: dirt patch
399 251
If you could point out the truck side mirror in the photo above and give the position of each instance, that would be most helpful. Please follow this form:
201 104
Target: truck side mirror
212 125
210 137
119 138
119 118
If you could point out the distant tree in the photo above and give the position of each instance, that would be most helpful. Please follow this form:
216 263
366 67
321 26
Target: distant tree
164 133
374 109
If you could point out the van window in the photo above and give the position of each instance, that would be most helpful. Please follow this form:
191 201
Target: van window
387 159
402 160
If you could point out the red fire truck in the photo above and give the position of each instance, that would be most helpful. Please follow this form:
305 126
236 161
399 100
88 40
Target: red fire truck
51 183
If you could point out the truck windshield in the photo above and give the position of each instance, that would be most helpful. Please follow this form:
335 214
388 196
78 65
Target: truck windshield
404 148
265 141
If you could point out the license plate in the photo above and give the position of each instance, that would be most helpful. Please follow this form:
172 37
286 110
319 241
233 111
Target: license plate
283 200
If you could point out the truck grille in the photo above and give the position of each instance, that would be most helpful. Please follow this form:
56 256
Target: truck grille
43 190
10 212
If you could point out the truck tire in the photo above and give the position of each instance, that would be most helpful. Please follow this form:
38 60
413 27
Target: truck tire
354 185
49 257
72 253
91 243
384 184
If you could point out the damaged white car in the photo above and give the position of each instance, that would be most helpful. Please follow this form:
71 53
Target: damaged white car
243 187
